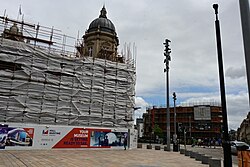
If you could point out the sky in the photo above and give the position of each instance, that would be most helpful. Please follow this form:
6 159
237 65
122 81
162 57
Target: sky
188 24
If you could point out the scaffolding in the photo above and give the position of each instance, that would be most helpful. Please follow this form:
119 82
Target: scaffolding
42 83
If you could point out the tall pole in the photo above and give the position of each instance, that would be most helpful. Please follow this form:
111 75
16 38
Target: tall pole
226 144
150 127
185 143
245 22
190 127
175 135
245 131
167 59
175 144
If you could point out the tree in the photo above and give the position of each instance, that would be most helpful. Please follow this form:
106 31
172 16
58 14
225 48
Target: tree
158 131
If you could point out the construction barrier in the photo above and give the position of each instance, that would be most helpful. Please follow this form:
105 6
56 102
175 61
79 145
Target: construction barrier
30 136
244 158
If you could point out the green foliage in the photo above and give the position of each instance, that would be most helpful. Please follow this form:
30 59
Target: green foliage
158 131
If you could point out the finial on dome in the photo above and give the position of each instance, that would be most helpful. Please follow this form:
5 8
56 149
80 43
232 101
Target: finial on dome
103 12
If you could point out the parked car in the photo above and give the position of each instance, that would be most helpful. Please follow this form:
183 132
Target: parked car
238 145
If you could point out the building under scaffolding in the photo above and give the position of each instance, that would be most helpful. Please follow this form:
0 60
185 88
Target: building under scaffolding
43 83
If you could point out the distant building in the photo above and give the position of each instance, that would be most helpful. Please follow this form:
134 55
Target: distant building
139 127
243 132
198 121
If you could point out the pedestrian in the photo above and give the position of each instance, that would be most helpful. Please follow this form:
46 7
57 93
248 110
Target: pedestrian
125 142
193 142
219 141
199 142
214 142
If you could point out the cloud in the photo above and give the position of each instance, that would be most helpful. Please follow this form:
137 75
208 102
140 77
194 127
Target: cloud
140 102
235 73
238 108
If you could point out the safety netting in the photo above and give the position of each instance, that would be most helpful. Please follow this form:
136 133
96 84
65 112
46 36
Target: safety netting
40 86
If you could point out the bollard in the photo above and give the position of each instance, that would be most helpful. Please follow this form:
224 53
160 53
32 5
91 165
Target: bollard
166 148
192 154
176 147
149 146
214 162
187 153
157 147
182 151
198 156
139 145
205 159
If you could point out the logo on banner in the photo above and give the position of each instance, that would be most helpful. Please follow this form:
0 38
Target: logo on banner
50 132
45 132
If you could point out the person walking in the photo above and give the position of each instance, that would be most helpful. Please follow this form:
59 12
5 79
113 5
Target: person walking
125 142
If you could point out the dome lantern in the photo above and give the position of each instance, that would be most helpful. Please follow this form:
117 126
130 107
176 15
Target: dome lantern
102 23
103 13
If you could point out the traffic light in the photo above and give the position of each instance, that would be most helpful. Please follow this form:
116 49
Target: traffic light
180 129
174 96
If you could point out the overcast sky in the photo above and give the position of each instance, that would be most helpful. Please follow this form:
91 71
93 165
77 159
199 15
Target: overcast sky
189 24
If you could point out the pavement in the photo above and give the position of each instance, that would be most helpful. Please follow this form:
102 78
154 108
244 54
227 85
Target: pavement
96 158
140 157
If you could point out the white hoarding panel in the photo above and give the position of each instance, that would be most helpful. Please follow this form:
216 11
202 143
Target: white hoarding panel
24 136
133 138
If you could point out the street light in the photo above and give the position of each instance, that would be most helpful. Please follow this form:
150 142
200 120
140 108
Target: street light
226 143
175 135
190 127
245 24
166 61
175 147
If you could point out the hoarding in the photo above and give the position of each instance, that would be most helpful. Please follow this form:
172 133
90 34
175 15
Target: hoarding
59 137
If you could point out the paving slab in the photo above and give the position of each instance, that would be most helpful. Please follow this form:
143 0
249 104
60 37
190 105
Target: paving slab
95 158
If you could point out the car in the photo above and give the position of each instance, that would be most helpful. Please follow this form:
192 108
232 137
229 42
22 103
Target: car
238 145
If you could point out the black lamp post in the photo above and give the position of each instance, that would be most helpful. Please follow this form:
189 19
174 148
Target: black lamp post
226 144
245 24
175 135
175 145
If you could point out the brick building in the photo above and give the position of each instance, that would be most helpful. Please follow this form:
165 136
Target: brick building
198 121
